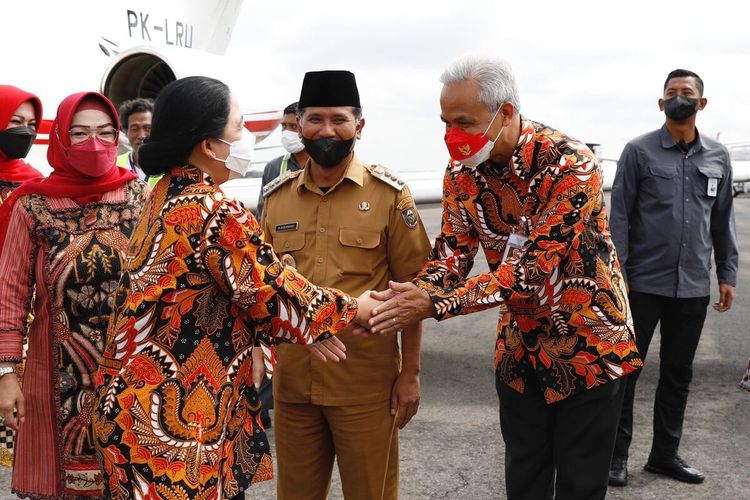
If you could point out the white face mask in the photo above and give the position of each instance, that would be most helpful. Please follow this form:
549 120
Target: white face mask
241 153
483 154
291 142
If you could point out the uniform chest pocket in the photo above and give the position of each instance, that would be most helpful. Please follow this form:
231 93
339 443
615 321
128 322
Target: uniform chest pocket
360 253
661 180
708 180
288 243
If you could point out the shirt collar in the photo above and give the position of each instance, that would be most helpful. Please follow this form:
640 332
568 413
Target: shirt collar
523 154
355 172
667 141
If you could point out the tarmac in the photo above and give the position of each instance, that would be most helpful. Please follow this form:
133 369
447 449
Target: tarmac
452 449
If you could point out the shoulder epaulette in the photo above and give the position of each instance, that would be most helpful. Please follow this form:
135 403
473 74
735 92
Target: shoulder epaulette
385 175
279 181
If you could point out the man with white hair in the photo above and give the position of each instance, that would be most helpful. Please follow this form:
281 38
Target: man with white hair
532 197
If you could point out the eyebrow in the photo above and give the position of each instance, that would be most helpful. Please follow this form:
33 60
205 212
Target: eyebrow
109 124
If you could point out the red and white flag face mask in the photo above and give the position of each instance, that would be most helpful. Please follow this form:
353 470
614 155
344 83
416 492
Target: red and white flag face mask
471 149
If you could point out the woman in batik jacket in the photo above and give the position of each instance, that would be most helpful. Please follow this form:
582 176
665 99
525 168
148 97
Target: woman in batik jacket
177 414
20 113
64 237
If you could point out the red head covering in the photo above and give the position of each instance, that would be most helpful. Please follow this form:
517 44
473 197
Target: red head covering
16 170
65 181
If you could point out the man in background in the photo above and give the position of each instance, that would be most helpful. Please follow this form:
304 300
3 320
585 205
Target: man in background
135 120
671 206
291 161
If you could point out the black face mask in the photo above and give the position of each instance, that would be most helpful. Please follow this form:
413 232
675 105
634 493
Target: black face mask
679 108
328 152
16 142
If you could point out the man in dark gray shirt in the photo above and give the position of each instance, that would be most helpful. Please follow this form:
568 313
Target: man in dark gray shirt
671 205
294 158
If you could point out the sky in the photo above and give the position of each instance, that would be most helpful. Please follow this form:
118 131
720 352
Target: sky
593 69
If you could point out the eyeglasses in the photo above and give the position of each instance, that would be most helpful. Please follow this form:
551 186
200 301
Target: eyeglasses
80 134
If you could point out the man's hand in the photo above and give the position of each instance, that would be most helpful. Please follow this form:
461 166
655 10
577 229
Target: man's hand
329 349
259 366
11 398
726 298
405 398
405 304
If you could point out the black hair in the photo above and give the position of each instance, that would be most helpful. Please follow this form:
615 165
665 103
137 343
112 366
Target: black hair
681 73
127 108
186 112
292 108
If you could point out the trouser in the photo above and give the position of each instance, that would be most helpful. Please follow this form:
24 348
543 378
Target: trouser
560 450
681 324
362 437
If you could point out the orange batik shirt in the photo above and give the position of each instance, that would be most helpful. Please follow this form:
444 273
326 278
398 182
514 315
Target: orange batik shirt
564 314
177 415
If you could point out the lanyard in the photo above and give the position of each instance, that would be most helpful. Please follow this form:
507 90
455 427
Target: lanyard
284 163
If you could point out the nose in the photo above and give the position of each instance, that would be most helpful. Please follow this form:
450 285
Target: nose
326 130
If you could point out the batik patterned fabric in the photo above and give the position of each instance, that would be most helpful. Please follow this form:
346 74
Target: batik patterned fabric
564 314
69 258
745 382
177 412
7 187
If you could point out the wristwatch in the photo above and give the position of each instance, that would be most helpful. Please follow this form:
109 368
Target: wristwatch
6 370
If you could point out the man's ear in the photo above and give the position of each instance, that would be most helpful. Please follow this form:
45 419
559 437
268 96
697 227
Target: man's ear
661 104
508 111
298 118
360 126
702 103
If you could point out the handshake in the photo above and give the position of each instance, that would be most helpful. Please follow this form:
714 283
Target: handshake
393 309
380 313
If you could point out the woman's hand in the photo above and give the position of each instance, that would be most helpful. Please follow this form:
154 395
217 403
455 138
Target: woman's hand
366 303
259 366
329 349
11 398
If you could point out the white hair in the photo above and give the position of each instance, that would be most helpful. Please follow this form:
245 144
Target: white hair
494 76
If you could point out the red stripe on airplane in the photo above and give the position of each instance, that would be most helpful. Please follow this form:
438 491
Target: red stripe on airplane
262 125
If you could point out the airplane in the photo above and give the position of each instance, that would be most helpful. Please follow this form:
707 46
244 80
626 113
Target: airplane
124 49
133 48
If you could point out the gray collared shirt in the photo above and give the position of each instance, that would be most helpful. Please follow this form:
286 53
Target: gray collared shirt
669 208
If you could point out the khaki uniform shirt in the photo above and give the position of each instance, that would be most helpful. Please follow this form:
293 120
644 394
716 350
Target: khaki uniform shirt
364 231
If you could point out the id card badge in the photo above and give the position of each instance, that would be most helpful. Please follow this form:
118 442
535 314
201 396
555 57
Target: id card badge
515 243
713 186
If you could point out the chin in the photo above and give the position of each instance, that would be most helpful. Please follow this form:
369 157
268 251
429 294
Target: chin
231 175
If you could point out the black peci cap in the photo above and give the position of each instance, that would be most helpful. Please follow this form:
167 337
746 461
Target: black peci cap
329 88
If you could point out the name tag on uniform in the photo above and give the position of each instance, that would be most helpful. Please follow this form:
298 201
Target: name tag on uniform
515 242
713 186
289 226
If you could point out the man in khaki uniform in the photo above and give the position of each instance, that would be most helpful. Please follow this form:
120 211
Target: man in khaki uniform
353 226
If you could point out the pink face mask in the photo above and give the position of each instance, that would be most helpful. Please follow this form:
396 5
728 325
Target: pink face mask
93 157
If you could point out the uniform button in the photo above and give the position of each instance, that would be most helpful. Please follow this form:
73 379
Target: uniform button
686 221
684 245
286 244
320 260
324 200
322 230
359 241
686 178
687 199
